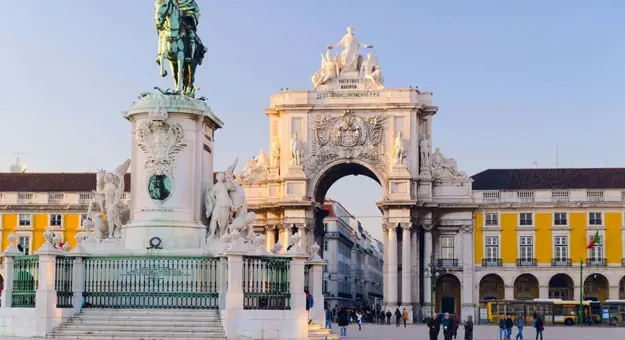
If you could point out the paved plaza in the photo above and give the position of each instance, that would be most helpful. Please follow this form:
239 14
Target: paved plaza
481 332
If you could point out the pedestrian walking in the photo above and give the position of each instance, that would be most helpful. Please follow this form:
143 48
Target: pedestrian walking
397 317
448 325
509 325
359 320
468 328
388 317
434 327
502 327
404 316
328 319
343 321
520 323
456 322
310 302
540 327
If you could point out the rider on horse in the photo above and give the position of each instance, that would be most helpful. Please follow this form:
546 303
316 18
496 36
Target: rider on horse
190 16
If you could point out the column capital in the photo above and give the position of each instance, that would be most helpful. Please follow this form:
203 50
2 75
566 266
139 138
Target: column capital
406 226
301 226
427 227
270 227
467 228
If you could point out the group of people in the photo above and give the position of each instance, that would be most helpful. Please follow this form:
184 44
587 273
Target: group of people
450 325
344 318
506 324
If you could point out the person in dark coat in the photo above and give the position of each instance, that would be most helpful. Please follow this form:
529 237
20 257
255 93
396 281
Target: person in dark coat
502 327
540 327
468 328
388 317
343 321
434 325
448 326
456 322
509 324
397 317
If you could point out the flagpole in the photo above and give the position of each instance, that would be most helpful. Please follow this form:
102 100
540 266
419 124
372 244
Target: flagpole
581 292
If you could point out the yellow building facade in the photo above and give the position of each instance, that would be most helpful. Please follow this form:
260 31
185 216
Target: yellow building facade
532 228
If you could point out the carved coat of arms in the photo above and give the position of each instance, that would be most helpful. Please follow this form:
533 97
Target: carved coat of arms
160 140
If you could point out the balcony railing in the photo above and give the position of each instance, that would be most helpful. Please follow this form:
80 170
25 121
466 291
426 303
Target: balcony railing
596 262
526 262
558 262
491 262
446 263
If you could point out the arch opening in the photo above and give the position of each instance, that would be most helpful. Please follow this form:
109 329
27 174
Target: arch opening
596 288
621 289
561 287
447 294
491 288
526 287
327 177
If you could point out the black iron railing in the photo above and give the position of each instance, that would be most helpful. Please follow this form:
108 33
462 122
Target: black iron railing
596 262
25 281
491 263
63 282
266 283
446 263
560 262
526 262
151 282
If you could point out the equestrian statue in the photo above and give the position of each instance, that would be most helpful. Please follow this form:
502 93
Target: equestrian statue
178 42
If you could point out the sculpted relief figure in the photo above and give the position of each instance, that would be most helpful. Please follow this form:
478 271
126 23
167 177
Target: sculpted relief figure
350 56
424 152
372 72
275 153
399 149
329 70
445 168
108 194
256 168
296 150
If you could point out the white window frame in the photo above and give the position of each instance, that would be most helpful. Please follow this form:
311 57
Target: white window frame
451 246
486 246
566 217
523 239
56 226
86 216
28 234
486 224
568 247
589 252
601 217
531 216
30 221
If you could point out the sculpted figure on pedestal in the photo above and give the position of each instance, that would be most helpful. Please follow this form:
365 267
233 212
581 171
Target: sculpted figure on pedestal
399 151
371 71
296 150
108 194
218 206
424 152
256 169
176 22
275 152
329 70
350 56
445 168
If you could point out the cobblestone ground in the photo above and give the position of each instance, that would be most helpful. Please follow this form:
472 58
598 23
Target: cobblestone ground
381 332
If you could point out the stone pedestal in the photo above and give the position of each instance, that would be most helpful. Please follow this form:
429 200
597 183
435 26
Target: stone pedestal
45 308
316 289
172 166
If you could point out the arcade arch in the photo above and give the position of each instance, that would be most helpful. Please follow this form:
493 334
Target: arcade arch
447 295
526 287
491 287
621 289
561 287
596 288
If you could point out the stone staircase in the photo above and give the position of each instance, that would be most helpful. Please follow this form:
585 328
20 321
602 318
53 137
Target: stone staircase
142 324
315 332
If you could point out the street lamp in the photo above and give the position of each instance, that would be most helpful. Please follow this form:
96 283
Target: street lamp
433 274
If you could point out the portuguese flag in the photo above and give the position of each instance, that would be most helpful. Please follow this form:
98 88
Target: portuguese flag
593 241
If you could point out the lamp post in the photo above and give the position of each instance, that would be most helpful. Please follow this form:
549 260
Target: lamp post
433 274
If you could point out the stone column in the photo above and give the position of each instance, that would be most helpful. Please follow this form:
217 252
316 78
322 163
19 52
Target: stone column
427 259
509 292
316 285
414 240
9 272
299 326
543 292
270 237
613 293
45 297
392 265
78 273
468 265
285 234
406 268
385 282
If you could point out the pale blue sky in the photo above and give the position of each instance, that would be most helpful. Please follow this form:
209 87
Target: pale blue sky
512 78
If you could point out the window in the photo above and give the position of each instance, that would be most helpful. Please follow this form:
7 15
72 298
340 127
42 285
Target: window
527 248
596 253
325 245
561 248
25 220
55 220
325 286
325 227
492 219
24 241
595 218
560 218
447 247
526 219
492 247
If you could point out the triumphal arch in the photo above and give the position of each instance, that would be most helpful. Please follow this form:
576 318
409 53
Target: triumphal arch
349 123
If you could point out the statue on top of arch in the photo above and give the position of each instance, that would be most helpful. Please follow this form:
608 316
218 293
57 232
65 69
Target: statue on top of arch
349 61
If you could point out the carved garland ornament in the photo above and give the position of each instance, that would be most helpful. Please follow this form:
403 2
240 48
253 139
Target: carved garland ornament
160 140
347 136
